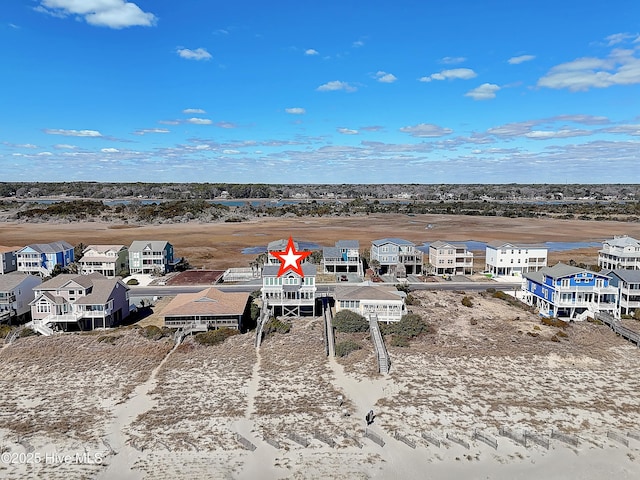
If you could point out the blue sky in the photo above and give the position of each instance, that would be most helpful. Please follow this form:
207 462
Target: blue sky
328 92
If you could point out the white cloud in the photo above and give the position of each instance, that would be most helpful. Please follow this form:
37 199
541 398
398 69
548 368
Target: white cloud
347 131
584 119
110 150
295 111
193 111
486 91
624 129
621 67
453 60
619 38
169 122
72 133
358 44
197 54
102 13
226 125
198 121
453 74
520 59
336 85
231 152
426 130
551 134
64 146
385 77
144 131
311 51
45 154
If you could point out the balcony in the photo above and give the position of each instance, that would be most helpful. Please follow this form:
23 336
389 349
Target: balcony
6 299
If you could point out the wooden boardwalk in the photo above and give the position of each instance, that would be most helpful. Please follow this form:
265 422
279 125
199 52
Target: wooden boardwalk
617 327
384 362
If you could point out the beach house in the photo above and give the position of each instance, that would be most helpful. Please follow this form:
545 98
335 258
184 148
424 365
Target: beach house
396 256
450 258
16 293
343 258
289 294
628 284
208 309
620 253
150 257
386 302
569 292
84 302
109 260
505 259
8 260
41 258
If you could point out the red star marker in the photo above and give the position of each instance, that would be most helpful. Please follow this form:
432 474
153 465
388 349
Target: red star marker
290 259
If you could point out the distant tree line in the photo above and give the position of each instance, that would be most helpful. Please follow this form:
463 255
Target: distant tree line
426 192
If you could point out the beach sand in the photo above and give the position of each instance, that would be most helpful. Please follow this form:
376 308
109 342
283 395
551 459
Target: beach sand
159 411
143 409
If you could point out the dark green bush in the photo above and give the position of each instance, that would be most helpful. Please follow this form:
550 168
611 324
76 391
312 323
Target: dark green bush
466 301
345 348
410 326
349 322
133 281
514 302
215 337
275 325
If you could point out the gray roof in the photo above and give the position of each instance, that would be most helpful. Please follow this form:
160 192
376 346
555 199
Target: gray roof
9 281
52 247
101 291
439 244
367 292
500 244
397 241
628 276
61 280
331 252
624 241
560 270
347 244
308 269
155 245
103 249
280 245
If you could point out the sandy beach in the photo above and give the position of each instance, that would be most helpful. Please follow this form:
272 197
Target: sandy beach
461 402
161 411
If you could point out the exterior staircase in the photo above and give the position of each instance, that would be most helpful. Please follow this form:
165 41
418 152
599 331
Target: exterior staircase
41 326
384 362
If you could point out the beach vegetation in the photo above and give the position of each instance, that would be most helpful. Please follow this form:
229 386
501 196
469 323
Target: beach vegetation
346 321
346 347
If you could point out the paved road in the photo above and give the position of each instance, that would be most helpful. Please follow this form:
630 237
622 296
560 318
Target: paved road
159 291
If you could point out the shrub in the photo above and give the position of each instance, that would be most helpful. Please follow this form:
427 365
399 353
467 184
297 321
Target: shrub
348 322
4 331
345 348
215 337
466 301
561 334
151 332
27 332
275 325
133 281
399 341
111 339
636 314
411 300
514 302
554 322
410 326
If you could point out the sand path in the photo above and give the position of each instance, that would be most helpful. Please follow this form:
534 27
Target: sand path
125 456
261 462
